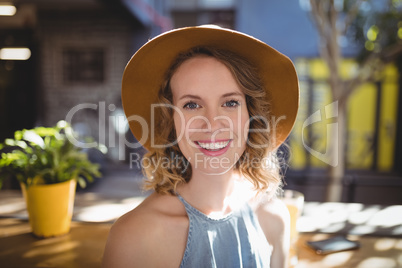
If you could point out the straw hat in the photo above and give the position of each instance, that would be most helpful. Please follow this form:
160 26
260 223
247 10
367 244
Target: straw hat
145 73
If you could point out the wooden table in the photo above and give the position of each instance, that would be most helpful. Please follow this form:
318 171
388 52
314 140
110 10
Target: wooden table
84 245
374 252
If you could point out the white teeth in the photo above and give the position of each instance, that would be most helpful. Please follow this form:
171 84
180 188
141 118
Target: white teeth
213 145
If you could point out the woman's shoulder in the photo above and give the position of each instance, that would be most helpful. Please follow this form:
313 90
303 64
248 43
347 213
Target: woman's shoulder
274 219
154 210
273 213
157 227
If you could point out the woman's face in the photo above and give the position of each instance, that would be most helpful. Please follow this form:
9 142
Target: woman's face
211 117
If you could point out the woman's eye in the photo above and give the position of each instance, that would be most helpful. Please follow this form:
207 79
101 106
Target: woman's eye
191 106
231 103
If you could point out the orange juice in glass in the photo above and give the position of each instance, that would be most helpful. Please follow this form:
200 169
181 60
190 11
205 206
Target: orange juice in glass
294 201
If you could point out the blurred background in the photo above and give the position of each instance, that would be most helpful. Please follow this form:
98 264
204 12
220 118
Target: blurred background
64 59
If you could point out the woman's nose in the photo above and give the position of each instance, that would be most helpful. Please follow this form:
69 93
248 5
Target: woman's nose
214 120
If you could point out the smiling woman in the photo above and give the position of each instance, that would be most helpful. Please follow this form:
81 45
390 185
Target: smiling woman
220 94
216 120
226 102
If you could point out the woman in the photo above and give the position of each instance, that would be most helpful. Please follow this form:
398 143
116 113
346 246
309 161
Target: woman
224 102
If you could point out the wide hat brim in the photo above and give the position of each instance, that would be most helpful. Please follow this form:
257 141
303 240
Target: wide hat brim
146 70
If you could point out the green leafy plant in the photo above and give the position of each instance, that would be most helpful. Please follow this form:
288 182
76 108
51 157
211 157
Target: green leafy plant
45 155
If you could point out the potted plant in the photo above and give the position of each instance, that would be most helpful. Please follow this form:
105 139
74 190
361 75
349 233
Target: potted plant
47 166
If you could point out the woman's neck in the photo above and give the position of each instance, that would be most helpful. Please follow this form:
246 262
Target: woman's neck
214 195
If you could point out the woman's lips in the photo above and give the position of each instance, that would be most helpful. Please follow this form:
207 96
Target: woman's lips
213 148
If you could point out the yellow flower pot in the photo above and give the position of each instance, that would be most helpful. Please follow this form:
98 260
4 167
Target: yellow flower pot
50 207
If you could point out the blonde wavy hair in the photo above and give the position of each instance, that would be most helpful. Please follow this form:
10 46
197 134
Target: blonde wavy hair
259 163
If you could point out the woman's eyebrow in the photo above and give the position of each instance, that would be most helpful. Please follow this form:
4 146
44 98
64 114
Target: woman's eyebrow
189 96
230 94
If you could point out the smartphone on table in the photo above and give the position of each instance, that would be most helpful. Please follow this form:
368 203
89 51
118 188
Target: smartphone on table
333 244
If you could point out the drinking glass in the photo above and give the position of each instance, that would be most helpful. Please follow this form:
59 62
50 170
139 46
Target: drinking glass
294 201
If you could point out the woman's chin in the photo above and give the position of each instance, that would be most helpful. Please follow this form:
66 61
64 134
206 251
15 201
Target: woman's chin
215 171
214 166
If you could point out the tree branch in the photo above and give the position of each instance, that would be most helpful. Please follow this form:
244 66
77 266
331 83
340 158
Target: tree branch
318 16
325 16
351 16
333 35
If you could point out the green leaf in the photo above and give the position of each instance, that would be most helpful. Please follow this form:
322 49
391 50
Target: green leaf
47 152
34 138
82 182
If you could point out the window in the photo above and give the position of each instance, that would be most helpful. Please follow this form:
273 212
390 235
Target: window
83 65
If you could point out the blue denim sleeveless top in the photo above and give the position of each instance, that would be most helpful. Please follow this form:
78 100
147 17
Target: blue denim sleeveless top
236 240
